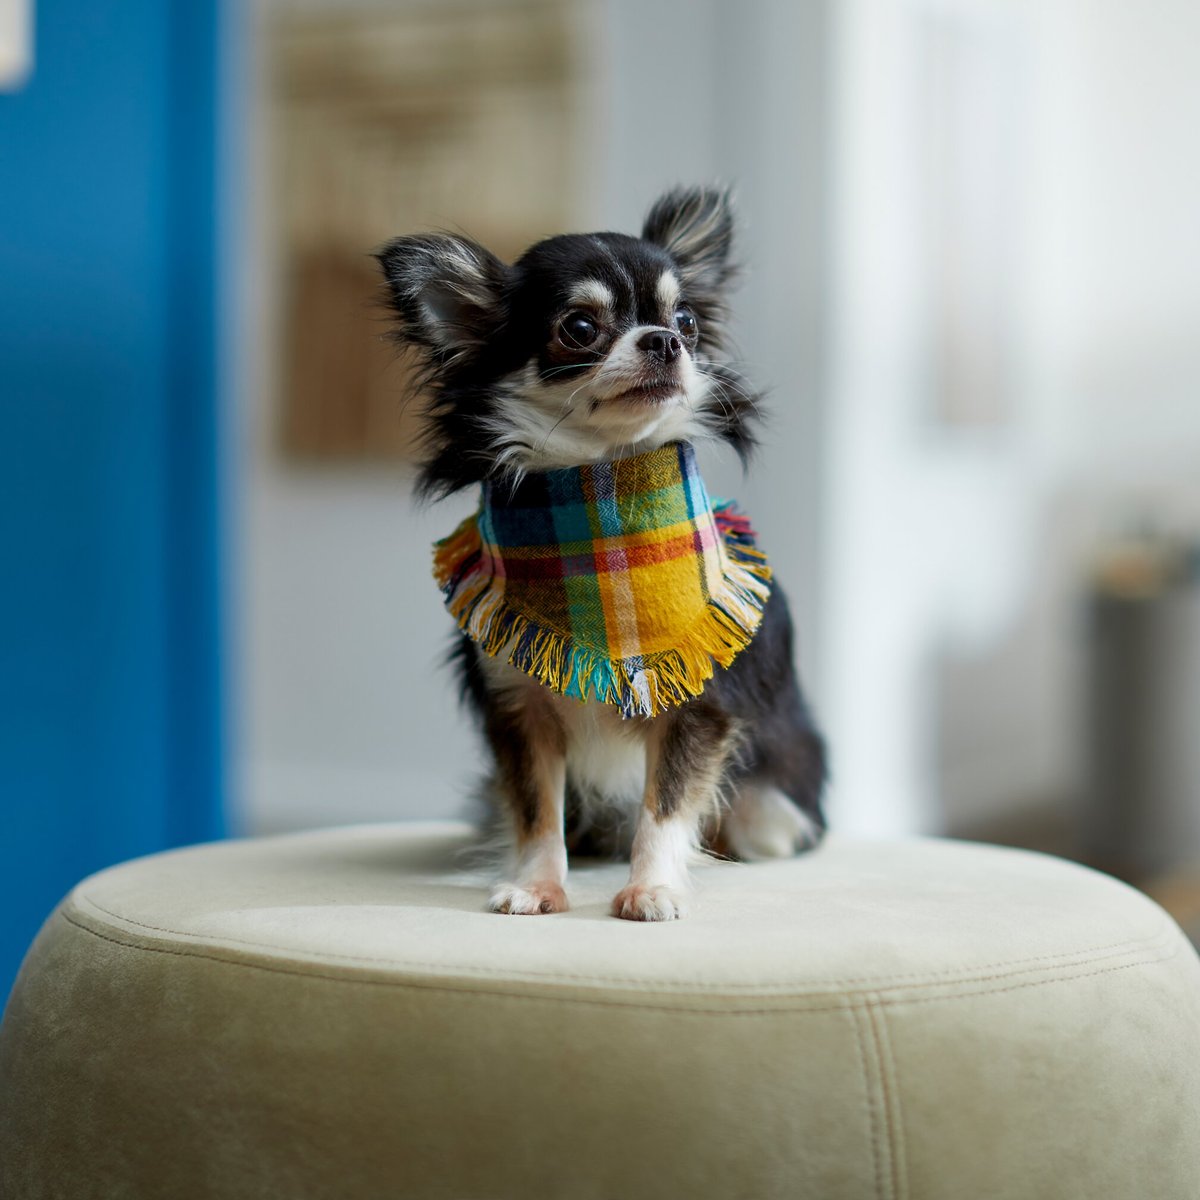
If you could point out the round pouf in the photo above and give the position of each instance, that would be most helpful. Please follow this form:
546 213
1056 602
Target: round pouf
335 1015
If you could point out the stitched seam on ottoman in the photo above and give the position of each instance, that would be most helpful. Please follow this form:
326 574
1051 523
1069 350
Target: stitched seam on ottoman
414 985
795 989
417 986
887 982
1016 987
892 1098
869 1093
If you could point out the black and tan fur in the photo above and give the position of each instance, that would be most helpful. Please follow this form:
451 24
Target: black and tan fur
590 347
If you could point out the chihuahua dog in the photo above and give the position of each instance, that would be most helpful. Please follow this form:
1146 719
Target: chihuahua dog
588 348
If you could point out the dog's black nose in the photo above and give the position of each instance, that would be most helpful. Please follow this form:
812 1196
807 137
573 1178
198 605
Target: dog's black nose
660 344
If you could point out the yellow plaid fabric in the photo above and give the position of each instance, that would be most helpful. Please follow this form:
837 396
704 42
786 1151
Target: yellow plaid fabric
616 581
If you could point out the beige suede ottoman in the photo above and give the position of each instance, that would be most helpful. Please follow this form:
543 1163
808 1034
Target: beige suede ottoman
335 1015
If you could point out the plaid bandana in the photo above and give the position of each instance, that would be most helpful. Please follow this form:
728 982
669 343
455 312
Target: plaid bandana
616 581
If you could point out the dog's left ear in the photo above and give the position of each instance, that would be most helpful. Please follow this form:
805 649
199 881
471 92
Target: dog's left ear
695 226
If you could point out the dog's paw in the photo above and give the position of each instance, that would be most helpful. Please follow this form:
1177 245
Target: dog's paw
530 900
764 823
638 903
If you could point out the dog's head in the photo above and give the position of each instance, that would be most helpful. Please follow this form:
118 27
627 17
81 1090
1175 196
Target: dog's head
590 346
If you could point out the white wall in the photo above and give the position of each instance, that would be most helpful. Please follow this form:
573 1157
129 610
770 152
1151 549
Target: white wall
1118 242
924 527
1112 307
956 561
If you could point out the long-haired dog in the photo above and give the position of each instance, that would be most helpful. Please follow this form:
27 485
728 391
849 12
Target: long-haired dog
588 349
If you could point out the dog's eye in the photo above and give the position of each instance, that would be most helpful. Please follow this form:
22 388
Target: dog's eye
577 330
685 322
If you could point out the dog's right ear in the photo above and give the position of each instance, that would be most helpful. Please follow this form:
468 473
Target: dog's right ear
447 291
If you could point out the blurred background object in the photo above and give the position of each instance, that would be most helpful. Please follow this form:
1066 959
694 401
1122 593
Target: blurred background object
1141 815
387 119
972 286
16 43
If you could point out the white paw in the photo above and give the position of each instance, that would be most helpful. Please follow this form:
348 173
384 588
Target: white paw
655 903
764 823
531 900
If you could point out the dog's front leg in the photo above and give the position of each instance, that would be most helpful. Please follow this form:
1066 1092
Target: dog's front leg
686 754
529 747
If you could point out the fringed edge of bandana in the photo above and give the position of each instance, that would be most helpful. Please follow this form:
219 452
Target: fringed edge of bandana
639 687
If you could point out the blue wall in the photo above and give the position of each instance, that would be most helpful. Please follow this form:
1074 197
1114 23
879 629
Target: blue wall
110 684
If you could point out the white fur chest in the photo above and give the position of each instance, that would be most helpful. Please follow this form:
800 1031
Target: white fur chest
606 755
